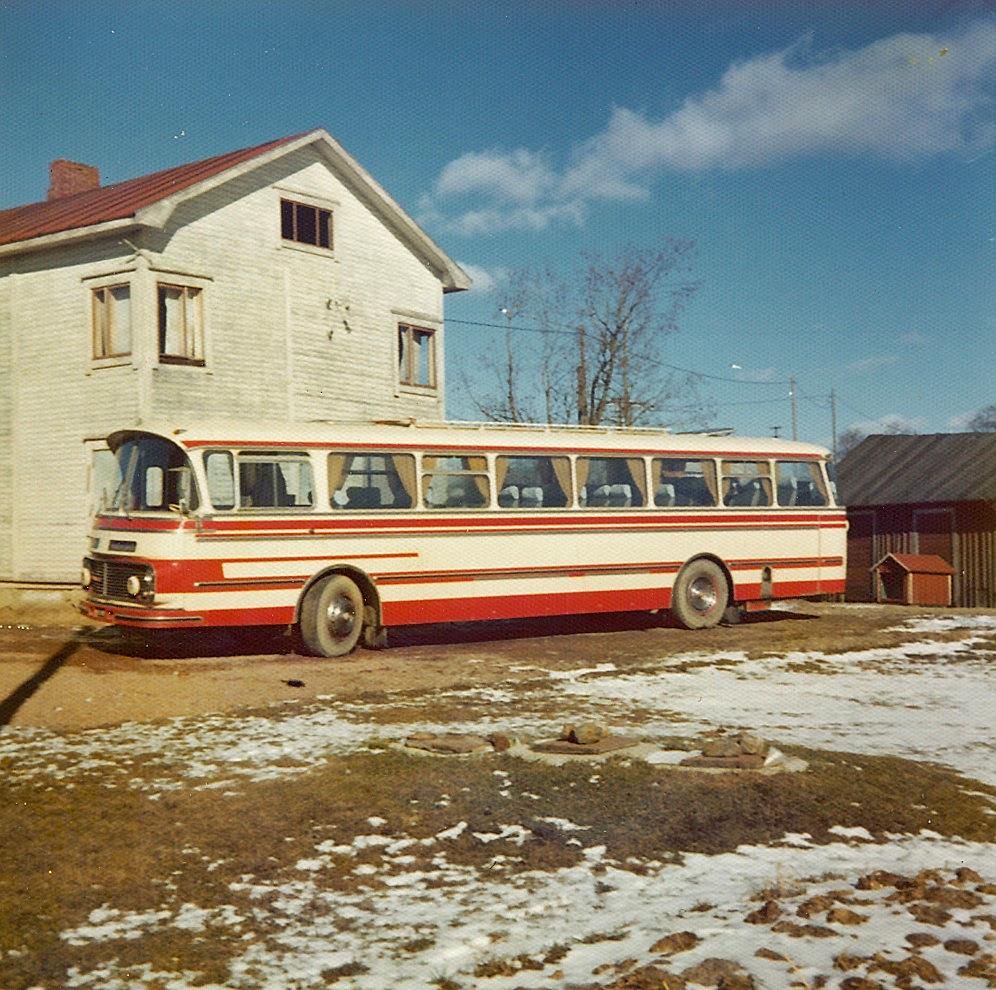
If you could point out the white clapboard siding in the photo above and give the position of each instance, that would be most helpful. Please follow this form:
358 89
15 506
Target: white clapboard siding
291 333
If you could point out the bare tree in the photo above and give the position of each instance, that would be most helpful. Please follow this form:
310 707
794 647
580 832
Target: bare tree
890 426
984 421
590 349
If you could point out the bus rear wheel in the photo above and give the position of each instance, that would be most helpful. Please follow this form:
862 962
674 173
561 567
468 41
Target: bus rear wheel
700 595
332 617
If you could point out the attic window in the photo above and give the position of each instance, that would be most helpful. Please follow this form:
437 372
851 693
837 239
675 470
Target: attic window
305 224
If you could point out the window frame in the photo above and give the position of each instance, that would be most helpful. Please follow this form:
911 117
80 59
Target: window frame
426 475
764 477
327 225
709 479
399 475
103 330
406 352
639 487
195 294
562 478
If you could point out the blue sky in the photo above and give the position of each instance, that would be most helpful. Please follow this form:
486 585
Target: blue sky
833 162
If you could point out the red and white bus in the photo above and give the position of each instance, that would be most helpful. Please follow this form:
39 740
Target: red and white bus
345 530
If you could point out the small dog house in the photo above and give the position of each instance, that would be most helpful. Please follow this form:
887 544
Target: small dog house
913 579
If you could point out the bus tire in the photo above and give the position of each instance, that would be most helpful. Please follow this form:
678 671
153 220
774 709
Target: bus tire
332 617
700 595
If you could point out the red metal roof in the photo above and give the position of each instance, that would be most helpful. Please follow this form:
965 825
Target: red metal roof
919 563
121 200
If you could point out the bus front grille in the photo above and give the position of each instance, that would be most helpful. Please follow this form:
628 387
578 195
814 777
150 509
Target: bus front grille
109 578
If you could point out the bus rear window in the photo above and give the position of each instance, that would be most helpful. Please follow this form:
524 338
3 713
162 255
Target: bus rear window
364 480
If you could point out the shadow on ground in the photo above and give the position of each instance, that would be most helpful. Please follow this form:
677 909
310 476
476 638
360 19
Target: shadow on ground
176 644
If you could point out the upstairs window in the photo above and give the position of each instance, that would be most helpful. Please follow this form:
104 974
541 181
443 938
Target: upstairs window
181 325
305 224
111 319
416 356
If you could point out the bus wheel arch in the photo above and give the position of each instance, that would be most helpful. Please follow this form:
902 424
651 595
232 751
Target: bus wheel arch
338 608
701 593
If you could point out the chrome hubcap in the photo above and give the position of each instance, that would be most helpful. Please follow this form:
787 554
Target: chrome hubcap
702 594
340 617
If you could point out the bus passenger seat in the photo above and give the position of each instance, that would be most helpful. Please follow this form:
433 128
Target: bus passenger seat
664 495
508 497
600 496
362 497
532 497
620 495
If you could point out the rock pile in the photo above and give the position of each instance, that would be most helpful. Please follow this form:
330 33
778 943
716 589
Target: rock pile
457 744
742 751
584 739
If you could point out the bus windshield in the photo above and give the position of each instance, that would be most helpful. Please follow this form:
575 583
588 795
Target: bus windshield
155 477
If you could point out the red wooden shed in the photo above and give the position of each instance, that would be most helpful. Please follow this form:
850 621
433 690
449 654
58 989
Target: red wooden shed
913 579
922 496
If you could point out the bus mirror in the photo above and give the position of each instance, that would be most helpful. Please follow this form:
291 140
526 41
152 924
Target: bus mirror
154 487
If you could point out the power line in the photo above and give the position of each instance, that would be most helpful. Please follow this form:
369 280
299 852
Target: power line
661 364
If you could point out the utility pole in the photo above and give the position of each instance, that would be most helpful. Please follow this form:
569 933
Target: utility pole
795 409
833 421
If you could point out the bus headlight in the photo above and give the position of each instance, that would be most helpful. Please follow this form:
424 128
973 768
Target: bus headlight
86 577
142 586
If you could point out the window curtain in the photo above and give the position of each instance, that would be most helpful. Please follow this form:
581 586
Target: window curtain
709 476
501 471
404 465
339 465
638 472
562 472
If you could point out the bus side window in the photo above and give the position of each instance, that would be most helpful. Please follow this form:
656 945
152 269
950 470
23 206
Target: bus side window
455 481
800 483
533 482
611 482
218 466
275 481
678 482
746 483
362 480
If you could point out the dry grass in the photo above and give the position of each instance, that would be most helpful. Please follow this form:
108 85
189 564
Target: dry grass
70 851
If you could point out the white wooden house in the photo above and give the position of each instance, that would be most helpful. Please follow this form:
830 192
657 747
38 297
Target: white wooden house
279 281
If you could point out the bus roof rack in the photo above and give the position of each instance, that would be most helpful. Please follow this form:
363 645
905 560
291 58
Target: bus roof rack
488 425
719 431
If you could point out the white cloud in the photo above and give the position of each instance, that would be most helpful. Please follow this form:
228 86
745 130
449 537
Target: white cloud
913 338
484 279
872 363
898 98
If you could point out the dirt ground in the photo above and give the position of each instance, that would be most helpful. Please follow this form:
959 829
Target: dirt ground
219 811
61 671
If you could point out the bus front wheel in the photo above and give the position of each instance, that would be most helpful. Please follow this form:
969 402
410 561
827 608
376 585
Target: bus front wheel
700 595
332 617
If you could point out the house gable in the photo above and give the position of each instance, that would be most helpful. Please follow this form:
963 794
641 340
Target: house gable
150 201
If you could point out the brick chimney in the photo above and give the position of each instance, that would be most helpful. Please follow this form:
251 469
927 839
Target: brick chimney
67 178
